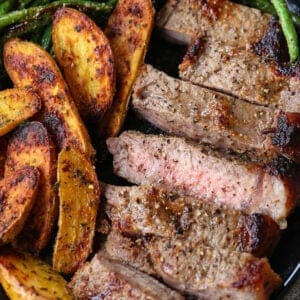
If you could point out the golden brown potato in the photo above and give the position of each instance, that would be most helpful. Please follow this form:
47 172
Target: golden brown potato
84 54
16 105
17 195
30 66
24 277
31 145
79 195
128 30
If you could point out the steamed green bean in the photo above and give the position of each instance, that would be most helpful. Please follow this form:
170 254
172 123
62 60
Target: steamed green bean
34 12
288 28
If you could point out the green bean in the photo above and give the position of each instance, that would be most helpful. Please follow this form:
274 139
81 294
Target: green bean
26 27
40 2
46 37
24 3
263 5
288 28
35 12
6 6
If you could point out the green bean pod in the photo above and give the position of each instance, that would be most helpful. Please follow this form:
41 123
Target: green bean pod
24 3
35 12
263 5
288 28
6 6
47 38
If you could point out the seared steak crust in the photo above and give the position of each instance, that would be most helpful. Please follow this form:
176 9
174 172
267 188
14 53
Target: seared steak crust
182 19
129 250
105 278
189 169
212 273
240 72
142 211
232 56
206 116
199 270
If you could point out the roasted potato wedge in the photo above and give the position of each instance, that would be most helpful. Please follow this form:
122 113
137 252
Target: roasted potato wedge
84 54
24 277
30 66
31 145
128 30
3 148
17 196
79 195
16 105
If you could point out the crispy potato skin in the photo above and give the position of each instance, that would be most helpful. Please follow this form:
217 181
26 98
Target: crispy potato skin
128 29
17 196
31 145
16 106
84 54
24 277
79 195
3 148
29 66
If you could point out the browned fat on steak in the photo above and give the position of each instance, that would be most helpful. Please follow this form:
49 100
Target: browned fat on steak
237 50
145 210
190 169
199 270
105 278
232 23
188 110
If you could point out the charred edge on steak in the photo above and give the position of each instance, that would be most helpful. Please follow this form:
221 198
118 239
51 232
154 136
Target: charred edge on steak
281 166
257 231
273 48
288 130
194 51
286 136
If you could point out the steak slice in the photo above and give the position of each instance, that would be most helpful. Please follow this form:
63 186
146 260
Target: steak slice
212 273
248 59
105 278
206 116
130 251
182 19
189 169
199 270
145 210
239 72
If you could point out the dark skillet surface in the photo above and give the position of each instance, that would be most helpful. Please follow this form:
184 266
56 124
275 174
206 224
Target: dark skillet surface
285 259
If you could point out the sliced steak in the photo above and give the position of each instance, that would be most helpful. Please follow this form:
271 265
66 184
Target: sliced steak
189 169
206 116
142 210
130 251
105 278
182 19
202 271
240 72
212 273
247 59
